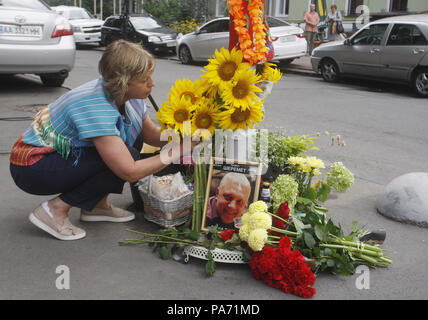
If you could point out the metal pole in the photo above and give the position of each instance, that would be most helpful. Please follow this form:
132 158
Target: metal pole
120 6
114 7
101 10
95 7
80 3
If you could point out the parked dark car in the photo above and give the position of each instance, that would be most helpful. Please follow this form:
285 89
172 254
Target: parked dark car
147 30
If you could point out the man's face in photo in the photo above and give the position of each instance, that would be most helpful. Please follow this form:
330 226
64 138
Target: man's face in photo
232 199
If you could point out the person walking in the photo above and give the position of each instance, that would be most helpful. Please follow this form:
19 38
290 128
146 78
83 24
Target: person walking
332 20
311 19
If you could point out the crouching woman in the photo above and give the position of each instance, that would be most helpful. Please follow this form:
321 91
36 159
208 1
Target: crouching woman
81 146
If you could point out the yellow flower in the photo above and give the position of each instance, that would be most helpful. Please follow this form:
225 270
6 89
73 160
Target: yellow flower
257 239
205 117
244 232
260 220
315 163
241 91
176 112
237 118
223 67
257 207
245 218
275 75
188 89
269 73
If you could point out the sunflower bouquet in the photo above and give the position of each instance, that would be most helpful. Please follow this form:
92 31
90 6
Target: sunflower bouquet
229 96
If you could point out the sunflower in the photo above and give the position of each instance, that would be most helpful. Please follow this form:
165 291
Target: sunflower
241 92
238 118
268 72
205 117
223 67
188 89
175 113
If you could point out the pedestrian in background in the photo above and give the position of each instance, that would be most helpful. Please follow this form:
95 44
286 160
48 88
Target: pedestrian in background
332 20
311 19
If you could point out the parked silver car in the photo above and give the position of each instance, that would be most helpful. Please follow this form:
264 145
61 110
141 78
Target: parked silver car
288 41
392 49
86 27
34 39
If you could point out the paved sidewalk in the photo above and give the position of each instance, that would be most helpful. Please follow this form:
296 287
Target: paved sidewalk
301 66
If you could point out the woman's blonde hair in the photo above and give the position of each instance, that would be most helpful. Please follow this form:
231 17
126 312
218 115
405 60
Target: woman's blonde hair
122 61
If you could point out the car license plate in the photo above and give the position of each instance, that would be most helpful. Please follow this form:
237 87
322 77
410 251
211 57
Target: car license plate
287 39
20 31
171 44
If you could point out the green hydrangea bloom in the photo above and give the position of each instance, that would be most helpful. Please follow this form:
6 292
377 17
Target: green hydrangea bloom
340 178
284 188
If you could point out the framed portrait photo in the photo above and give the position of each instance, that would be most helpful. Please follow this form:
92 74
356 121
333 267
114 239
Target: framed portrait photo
231 187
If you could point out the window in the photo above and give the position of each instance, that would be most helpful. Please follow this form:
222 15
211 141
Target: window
282 8
353 5
214 26
406 35
398 5
371 35
273 22
31 4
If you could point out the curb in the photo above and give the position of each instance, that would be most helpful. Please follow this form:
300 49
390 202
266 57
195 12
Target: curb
300 72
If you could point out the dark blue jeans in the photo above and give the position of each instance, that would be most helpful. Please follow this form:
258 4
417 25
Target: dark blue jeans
82 186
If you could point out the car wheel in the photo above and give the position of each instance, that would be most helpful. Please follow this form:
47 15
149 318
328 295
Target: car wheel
420 82
185 55
330 70
52 80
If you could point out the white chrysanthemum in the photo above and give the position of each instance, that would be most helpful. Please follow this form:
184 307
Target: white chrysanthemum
244 232
257 207
340 178
257 239
245 218
260 220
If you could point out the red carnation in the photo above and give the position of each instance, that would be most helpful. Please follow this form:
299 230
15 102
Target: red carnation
226 235
283 211
285 242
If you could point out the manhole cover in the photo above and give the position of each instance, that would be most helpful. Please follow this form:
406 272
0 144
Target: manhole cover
33 108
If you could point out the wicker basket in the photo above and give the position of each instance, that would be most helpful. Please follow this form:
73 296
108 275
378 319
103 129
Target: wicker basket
166 213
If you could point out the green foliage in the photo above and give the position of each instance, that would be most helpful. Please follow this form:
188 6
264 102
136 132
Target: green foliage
281 147
168 11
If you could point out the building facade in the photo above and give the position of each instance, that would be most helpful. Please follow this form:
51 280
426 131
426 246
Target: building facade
294 10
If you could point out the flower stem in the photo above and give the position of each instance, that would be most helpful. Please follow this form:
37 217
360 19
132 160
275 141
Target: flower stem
160 235
281 219
290 233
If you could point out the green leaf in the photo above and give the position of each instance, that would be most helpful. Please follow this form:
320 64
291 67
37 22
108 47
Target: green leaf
246 256
323 192
328 252
310 193
210 266
321 232
309 239
164 253
304 201
193 235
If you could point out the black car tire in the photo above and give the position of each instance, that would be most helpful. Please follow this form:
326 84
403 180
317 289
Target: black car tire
420 82
52 80
185 55
329 70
